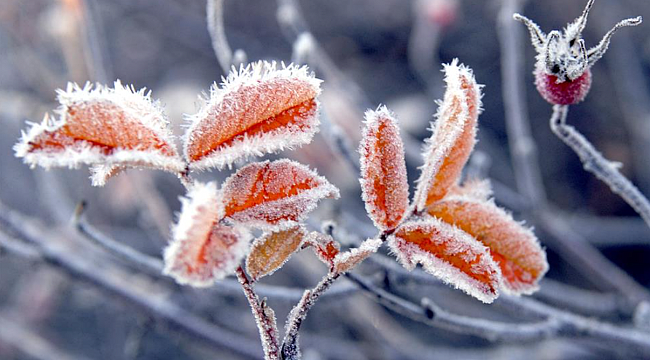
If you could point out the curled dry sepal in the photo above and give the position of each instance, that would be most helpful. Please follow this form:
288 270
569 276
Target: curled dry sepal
455 231
261 108
563 67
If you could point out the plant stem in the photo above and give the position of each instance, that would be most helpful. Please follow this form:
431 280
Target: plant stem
264 317
594 162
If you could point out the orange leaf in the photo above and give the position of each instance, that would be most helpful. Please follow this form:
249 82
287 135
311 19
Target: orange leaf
325 247
449 254
453 137
275 194
272 250
383 170
109 128
258 110
514 247
203 250
346 261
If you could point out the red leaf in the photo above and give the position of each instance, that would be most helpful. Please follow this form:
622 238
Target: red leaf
109 128
275 194
203 250
325 247
346 261
453 137
383 170
449 254
259 110
514 247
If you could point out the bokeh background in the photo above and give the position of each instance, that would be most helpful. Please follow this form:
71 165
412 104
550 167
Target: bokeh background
382 52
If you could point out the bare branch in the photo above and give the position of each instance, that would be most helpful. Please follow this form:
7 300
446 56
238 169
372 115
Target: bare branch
214 12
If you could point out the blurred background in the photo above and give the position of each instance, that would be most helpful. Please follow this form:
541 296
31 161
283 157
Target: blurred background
369 53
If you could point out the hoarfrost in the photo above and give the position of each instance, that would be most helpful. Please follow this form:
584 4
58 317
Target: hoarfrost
202 250
449 254
259 109
274 195
383 170
453 137
344 262
514 247
108 128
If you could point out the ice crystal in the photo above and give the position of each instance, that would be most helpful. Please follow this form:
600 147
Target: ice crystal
258 109
383 169
453 137
107 128
513 246
274 194
270 251
449 254
202 250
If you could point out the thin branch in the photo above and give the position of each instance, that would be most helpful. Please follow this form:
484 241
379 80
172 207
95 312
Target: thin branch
595 163
290 346
264 317
214 12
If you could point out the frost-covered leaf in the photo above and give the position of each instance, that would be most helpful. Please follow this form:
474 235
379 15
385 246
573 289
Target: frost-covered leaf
270 251
110 129
274 194
345 261
325 247
202 250
260 109
477 189
453 138
513 246
449 254
383 169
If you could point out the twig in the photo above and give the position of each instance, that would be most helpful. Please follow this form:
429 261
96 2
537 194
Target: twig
596 164
290 347
151 303
214 12
522 146
557 323
264 317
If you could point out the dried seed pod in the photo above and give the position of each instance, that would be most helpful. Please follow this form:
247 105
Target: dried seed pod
270 251
513 246
274 194
383 169
258 110
453 138
111 129
202 250
346 261
449 254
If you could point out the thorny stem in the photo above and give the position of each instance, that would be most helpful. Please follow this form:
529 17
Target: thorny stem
264 317
595 163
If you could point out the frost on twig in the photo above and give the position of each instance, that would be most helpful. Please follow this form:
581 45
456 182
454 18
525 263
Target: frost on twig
594 162
257 110
274 194
107 128
203 250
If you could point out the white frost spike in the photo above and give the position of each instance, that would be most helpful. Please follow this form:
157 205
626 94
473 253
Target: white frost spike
202 250
449 254
383 170
257 110
453 135
472 189
344 262
274 195
108 128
